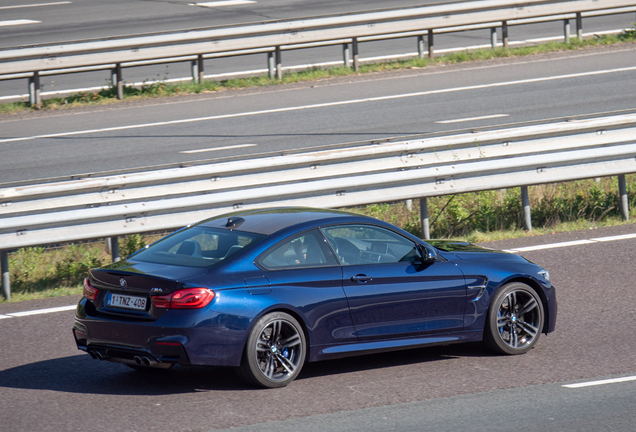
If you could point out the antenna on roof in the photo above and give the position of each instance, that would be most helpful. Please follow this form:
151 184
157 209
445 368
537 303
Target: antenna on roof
234 222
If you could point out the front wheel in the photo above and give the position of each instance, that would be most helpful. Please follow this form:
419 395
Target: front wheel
515 319
275 351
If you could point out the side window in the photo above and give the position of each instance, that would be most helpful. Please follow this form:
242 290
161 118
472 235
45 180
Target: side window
306 250
368 244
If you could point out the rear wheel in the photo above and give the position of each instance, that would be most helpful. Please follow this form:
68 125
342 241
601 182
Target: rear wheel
515 319
275 351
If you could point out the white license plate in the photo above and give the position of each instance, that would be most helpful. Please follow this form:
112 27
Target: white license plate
128 302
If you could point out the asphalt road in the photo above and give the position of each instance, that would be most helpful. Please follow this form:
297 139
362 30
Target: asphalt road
64 20
46 384
329 112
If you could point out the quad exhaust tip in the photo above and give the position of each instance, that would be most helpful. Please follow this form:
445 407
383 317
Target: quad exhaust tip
96 355
145 361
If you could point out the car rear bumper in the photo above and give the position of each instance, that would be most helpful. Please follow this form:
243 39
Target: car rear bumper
187 337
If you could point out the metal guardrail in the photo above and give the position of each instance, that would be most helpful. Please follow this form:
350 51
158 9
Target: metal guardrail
274 37
166 199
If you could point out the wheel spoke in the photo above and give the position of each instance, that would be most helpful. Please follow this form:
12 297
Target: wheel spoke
276 328
285 363
291 341
514 340
513 300
529 328
502 321
270 368
532 303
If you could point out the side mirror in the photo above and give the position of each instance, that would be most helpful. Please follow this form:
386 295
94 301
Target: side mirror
426 255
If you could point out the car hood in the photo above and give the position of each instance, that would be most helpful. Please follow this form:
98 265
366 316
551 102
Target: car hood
471 252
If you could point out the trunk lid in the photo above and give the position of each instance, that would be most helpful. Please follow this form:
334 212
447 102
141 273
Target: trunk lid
125 288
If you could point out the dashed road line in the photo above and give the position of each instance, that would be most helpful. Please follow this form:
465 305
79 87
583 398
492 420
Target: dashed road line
38 312
601 382
572 243
473 118
223 3
232 147
36 5
18 22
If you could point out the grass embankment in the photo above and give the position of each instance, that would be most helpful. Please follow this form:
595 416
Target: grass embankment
485 216
162 89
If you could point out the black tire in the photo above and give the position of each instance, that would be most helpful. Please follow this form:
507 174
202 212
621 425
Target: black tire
515 319
275 351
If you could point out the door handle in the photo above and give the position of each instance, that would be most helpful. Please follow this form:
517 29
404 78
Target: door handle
361 278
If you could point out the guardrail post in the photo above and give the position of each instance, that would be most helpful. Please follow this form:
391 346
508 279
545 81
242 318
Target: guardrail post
346 56
624 201
6 281
525 204
197 69
118 81
430 44
493 37
579 26
279 64
426 233
504 33
271 64
356 59
566 30
421 46
114 248
34 89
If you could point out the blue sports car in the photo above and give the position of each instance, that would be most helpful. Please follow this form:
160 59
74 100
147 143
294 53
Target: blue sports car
268 290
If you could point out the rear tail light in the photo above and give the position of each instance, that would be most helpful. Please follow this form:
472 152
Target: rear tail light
90 292
188 298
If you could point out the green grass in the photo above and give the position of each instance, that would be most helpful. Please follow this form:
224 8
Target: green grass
39 272
162 89
497 214
478 217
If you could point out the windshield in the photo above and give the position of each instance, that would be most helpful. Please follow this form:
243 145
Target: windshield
198 246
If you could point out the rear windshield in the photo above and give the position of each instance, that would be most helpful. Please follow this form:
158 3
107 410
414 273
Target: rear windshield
197 247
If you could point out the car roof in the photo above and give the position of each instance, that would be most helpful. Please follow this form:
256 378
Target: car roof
270 220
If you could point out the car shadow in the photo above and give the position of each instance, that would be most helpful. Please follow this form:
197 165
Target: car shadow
82 374
394 359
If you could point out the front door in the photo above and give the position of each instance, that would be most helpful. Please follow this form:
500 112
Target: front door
389 294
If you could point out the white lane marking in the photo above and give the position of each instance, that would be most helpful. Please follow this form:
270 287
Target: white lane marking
601 382
223 3
621 237
4 316
17 22
324 105
572 243
41 311
218 148
472 118
36 5
554 245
